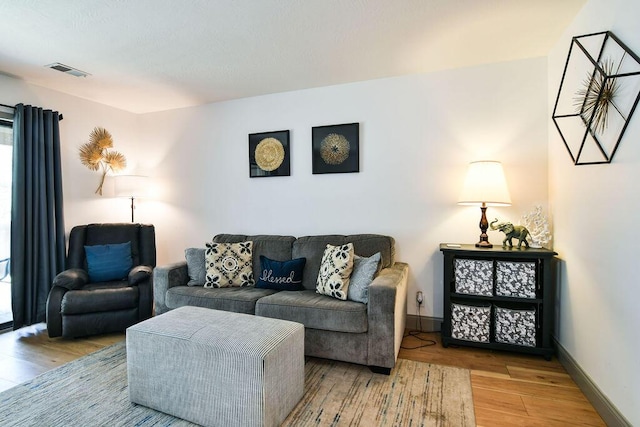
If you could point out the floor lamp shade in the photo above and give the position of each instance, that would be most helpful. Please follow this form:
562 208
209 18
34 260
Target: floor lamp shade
485 185
131 187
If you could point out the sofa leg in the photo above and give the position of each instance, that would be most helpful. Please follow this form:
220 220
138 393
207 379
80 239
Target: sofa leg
380 370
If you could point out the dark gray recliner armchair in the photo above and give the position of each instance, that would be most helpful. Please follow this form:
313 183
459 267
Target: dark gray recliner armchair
76 307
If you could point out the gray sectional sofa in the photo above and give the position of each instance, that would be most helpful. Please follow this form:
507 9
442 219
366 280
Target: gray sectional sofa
368 334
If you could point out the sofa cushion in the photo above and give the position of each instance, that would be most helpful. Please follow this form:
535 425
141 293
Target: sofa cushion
312 248
272 246
229 264
315 311
196 266
280 275
335 271
239 300
364 270
365 245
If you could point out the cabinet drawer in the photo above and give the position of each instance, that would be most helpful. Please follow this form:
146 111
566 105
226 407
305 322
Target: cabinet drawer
516 279
473 277
515 326
470 322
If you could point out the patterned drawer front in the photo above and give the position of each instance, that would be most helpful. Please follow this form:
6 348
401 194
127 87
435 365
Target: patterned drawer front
515 326
516 279
473 277
470 323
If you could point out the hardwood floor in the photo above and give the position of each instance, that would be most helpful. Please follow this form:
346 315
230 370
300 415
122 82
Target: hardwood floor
29 351
509 389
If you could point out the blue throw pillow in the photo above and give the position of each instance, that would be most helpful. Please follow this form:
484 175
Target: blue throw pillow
364 271
281 275
108 262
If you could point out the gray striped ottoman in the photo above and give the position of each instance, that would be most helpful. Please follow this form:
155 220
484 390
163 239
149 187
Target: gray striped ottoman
217 368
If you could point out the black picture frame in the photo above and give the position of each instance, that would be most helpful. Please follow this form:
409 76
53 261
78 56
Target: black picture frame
269 154
336 148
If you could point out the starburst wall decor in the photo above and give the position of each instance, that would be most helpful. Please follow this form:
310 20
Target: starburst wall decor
599 91
336 148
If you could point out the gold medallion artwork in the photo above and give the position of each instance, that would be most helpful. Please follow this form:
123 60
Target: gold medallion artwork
334 149
269 154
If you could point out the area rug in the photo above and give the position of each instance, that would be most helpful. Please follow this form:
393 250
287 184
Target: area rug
92 391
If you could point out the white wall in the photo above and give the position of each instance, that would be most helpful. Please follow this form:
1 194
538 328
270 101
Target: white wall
417 135
81 205
595 209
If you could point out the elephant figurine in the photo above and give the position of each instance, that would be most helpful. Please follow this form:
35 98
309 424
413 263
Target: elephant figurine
511 231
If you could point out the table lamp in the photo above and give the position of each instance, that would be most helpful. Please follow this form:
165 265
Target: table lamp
131 187
485 185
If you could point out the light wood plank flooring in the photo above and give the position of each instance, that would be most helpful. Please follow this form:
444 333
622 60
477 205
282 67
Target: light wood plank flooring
509 389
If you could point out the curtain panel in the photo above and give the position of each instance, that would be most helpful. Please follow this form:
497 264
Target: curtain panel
37 226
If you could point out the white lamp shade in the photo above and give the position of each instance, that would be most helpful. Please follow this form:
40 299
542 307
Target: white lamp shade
485 183
135 186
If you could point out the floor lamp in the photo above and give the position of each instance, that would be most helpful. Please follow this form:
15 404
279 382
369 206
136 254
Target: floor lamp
131 187
485 185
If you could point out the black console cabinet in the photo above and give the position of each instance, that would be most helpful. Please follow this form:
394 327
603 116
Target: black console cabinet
499 298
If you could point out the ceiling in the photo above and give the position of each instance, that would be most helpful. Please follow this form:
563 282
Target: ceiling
153 55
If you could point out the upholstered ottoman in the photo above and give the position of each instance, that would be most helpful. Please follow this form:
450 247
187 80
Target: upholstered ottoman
217 368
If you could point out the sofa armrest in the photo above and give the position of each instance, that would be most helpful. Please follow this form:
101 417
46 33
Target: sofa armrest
165 277
387 313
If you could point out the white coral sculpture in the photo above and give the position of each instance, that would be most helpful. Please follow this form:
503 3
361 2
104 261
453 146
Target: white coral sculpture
538 226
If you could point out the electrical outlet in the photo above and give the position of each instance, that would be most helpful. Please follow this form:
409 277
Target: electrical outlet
419 298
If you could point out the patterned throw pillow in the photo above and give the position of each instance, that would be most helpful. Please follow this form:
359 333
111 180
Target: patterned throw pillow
335 270
229 264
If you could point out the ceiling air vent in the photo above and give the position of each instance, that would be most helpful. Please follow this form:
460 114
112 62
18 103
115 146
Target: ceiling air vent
68 70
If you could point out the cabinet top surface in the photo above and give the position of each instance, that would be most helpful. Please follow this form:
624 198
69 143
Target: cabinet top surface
497 250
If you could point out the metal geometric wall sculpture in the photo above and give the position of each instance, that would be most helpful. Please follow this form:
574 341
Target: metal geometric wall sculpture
599 91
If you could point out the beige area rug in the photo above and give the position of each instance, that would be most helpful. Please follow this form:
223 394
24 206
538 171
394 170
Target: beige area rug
93 391
415 394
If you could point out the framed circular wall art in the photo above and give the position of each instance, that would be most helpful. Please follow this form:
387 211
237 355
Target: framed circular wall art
269 154
336 148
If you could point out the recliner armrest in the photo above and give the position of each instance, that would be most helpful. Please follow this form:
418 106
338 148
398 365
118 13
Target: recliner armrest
138 274
72 278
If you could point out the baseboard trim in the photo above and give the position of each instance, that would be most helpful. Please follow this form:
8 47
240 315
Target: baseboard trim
607 410
423 323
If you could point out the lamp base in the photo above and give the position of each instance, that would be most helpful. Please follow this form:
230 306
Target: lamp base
484 225
483 244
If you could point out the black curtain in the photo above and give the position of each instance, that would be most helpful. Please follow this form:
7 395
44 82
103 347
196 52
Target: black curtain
37 226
